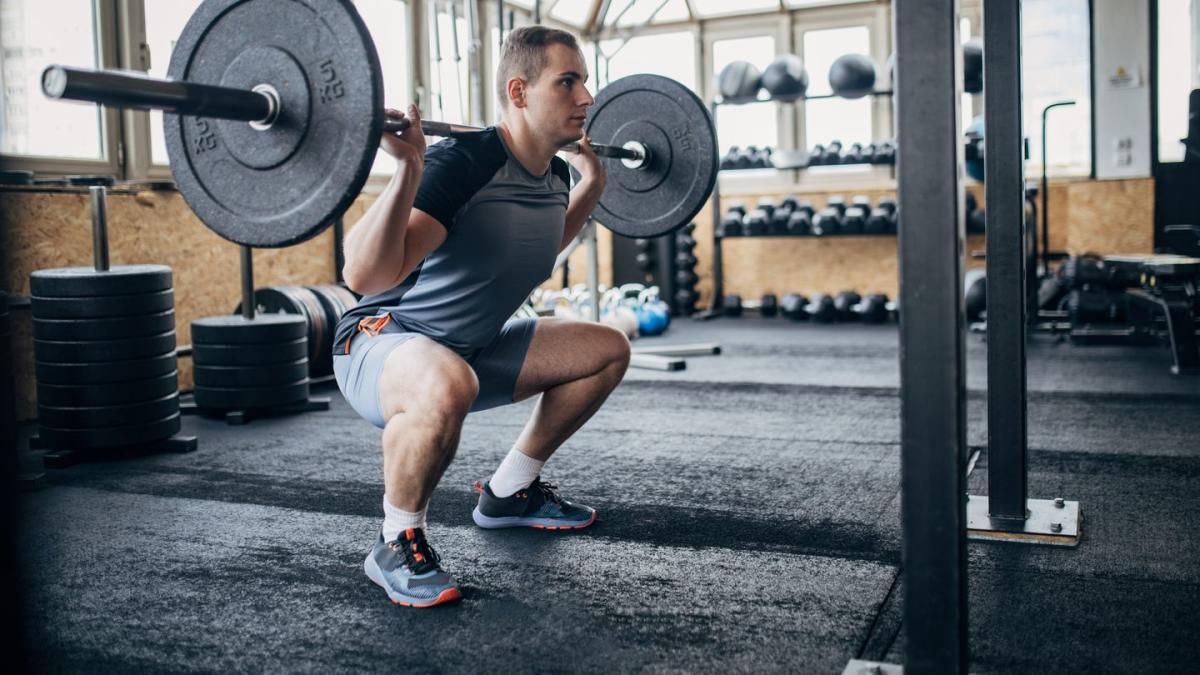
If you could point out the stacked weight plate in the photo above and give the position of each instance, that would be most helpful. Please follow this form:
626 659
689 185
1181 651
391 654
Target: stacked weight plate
243 364
320 306
104 349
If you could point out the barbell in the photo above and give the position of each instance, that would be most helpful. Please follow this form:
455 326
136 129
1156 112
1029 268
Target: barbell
274 111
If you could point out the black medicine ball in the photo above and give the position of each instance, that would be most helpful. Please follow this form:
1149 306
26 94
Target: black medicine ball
738 82
852 76
786 79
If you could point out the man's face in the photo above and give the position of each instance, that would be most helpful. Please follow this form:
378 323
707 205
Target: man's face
557 101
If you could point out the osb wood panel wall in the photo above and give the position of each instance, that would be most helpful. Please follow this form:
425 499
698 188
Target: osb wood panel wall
45 230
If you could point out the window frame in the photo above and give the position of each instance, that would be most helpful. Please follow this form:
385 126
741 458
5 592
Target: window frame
112 138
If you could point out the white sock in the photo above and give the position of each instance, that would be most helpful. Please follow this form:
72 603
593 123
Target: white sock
397 520
516 471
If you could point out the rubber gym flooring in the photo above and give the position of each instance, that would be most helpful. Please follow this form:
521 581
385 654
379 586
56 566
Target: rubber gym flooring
749 523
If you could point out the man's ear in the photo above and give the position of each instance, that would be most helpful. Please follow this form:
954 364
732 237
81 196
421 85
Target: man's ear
516 92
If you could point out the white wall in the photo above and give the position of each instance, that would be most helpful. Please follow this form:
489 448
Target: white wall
1122 132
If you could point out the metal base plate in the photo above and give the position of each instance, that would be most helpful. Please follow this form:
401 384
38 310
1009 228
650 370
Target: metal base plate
1056 522
860 667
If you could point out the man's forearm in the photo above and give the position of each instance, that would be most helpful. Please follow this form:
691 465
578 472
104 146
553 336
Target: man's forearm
374 247
584 198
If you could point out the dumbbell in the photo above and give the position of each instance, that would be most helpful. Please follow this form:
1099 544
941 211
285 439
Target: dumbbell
684 242
855 220
736 207
767 204
779 221
844 304
816 156
688 229
762 159
646 255
755 223
854 155
820 309
793 307
800 221
829 220
873 308
731 225
686 278
868 153
883 217
734 306
885 153
729 160
833 153
745 158
685 260
685 300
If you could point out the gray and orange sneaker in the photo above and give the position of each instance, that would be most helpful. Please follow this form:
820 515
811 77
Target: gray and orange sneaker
535 506
409 570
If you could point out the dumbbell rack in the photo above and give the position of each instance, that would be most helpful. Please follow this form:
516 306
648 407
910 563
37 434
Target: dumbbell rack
715 307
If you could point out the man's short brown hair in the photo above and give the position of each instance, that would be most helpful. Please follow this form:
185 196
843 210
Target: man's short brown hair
524 55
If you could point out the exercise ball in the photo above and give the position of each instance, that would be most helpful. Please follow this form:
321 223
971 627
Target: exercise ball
786 79
738 82
975 284
852 76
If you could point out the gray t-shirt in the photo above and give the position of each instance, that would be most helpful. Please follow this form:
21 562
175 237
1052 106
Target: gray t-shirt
503 226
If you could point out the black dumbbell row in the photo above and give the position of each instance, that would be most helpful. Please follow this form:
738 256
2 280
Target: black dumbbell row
847 306
792 217
832 153
750 157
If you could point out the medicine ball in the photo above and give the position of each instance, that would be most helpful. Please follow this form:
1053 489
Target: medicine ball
972 66
852 76
975 284
738 82
786 79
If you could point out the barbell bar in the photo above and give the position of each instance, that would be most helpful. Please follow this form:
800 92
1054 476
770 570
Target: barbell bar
272 121
258 106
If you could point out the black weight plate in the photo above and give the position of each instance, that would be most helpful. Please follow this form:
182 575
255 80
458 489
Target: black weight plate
295 300
93 417
113 393
226 398
348 299
104 329
676 127
110 437
87 282
280 186
103 307
320 356
250 376
103 351
236 329
104 373
249 355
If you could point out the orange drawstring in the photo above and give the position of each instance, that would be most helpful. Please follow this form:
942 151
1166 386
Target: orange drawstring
371 326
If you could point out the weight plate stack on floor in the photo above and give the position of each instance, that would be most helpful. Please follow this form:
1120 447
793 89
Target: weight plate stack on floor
303 302
336 300
104 350
242 364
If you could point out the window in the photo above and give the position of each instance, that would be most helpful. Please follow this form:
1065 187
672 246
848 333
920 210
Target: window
825 120
1178 73
387 20
1055 66
449 80
164 23
707 9
33 35
670 54
753 123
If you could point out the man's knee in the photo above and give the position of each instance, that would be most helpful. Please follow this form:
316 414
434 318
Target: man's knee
448 393
430 382
615 349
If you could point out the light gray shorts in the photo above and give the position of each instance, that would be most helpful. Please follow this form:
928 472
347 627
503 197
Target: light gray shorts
497 366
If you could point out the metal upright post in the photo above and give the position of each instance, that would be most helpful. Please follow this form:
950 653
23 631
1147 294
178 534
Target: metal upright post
1006 255
933 438
248 307
1006 513
99 195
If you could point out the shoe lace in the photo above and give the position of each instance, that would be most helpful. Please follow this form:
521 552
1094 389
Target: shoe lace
547 490
419 555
